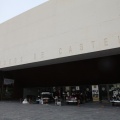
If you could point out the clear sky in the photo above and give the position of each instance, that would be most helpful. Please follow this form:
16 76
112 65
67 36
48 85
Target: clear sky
12 8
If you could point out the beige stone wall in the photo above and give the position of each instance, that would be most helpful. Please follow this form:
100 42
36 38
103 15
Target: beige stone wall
60 28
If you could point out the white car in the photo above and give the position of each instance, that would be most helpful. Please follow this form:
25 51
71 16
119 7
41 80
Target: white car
46 97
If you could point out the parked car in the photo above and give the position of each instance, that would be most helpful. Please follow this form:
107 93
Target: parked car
115 99
71 99
46 97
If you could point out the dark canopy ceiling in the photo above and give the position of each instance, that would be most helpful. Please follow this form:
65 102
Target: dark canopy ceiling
91 71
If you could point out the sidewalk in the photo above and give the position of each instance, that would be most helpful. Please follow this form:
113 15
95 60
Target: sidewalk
87 111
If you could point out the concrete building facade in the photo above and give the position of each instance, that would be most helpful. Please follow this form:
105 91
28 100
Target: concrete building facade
60 28
61 31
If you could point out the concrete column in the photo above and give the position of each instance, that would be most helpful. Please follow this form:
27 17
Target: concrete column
108 92
1 84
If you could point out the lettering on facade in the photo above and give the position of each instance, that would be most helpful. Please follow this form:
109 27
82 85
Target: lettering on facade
9 61
34 56
21 59
60 51
119 39
105 42
42 54
70 49
4 62
81 47
15 60
93 43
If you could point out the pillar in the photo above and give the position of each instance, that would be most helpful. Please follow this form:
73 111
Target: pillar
1 84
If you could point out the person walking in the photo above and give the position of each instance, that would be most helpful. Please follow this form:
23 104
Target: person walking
78 98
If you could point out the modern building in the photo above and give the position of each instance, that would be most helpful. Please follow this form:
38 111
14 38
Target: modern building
62 43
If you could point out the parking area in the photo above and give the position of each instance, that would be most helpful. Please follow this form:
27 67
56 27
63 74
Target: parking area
88 111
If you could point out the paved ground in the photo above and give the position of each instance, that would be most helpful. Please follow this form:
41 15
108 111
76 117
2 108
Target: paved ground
87 111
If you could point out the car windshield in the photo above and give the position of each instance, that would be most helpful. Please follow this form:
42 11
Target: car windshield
45 94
